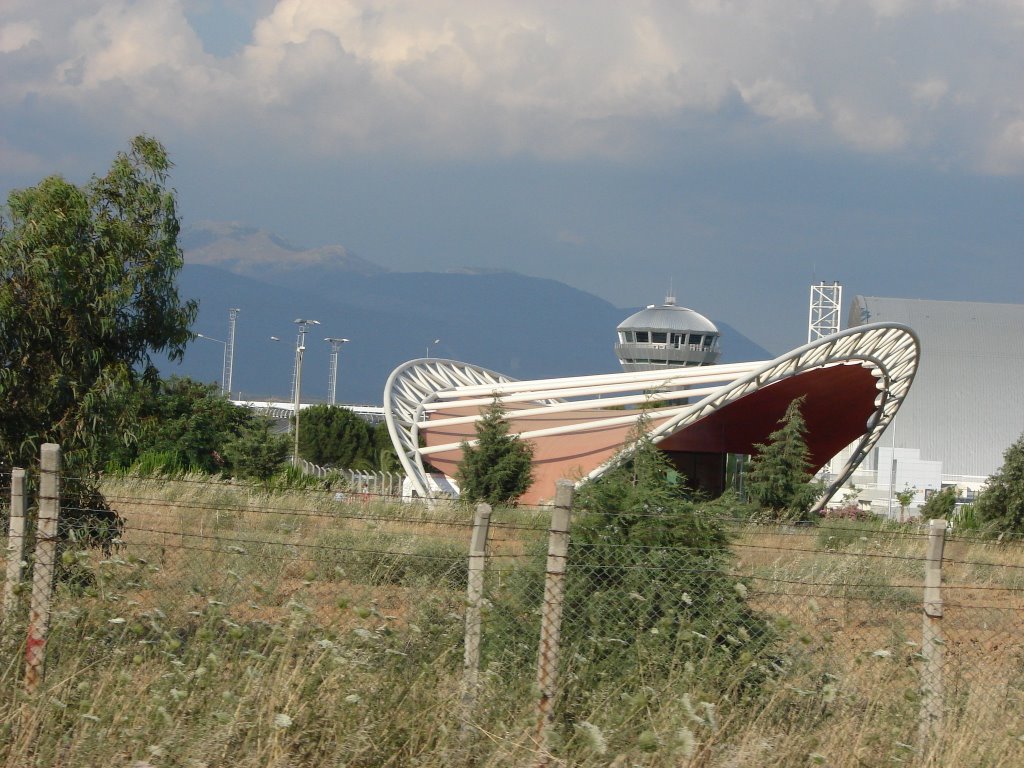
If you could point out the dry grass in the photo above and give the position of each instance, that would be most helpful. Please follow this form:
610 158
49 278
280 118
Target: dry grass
239 629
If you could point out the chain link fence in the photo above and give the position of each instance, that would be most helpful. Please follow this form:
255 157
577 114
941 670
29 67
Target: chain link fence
229 626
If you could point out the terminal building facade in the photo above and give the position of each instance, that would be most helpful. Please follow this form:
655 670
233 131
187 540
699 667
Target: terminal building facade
698 412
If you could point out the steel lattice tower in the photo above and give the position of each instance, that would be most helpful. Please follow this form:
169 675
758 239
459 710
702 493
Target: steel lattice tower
823 319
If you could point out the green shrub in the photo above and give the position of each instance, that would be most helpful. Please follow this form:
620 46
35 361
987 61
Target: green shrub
1000 507
156 463
648 596
965 518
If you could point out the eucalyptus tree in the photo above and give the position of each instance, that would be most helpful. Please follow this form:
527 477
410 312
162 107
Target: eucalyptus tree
88 295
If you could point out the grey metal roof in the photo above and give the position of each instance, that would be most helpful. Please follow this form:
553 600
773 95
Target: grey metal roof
967 403
668 317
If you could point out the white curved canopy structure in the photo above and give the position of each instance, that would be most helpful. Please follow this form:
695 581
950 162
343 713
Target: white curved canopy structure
852 384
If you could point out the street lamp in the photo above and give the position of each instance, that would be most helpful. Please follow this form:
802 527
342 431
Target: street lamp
332 380
227 368
300 347
223 384
431 344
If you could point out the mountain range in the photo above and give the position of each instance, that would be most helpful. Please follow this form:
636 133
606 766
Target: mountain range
526 327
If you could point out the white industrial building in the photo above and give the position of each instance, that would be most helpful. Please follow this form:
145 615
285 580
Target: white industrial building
967 403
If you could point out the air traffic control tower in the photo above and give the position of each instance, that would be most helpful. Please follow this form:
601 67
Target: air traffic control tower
666 336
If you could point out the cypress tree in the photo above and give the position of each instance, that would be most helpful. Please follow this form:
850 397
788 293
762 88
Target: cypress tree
498 469
779 477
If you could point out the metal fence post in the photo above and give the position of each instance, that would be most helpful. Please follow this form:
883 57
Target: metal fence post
474 598
43 567
930 725
15 542
551 616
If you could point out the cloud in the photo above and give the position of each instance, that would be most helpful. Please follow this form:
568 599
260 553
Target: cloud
555 80
16 161
1006 152
568 237
778 101
14 37
866 130
930 92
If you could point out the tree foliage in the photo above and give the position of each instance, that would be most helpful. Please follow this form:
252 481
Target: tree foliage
499 468
1000 506
384 450
187 424
940 505
778 477
649 589
334 436
87 295
905 498
258 453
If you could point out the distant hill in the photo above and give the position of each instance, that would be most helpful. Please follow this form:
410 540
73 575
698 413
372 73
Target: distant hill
524 326
256 252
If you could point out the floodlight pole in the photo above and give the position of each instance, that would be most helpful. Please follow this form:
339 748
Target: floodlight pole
332 380
300 347
431 344
229 352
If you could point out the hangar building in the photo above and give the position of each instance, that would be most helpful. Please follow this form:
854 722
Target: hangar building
967 404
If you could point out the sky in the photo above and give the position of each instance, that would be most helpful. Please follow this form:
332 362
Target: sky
735 151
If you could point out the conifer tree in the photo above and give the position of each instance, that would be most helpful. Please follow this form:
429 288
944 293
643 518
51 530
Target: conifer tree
650 567
779 478
498 469
337 437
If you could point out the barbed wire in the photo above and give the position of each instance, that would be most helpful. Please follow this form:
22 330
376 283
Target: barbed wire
300 545
695 547
517 526
812 529
874 599
283 557
792 529
463 524
230 485
1006 538
293 512
874 584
